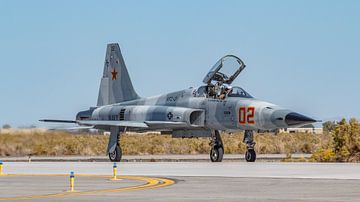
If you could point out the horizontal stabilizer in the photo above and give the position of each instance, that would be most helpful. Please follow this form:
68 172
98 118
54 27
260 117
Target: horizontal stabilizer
57 121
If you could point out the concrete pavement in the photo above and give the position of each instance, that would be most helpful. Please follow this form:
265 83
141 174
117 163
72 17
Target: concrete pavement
200 181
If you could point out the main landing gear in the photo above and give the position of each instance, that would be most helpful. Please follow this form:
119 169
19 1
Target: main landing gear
114 150
250 154
217 148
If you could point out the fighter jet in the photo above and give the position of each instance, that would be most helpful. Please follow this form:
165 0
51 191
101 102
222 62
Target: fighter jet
214 107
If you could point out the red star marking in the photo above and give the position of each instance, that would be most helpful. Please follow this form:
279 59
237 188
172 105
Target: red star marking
114 74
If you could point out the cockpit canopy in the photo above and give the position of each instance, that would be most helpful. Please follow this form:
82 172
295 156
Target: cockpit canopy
225 70
218 80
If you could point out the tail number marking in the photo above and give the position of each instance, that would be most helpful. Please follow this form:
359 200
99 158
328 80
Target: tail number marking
246 115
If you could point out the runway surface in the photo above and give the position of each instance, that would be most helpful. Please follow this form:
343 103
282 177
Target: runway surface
154 158
179 181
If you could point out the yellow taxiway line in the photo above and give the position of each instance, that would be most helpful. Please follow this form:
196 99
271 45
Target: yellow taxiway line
150 182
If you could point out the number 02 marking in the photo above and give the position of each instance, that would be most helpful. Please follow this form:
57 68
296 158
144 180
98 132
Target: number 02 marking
246 115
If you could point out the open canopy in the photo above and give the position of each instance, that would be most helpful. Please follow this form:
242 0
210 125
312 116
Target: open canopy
225 70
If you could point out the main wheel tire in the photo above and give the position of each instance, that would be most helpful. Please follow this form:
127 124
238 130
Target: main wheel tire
250 155
116 155
216 154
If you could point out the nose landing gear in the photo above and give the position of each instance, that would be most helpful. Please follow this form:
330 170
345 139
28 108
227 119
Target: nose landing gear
250 154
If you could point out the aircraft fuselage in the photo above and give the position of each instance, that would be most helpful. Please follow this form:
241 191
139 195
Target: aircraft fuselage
229 114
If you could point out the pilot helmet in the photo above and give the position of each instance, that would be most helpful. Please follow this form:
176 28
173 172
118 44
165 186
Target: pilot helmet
227 86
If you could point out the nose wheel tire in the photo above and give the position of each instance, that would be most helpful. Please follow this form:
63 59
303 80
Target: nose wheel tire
250 155
216 154
116 155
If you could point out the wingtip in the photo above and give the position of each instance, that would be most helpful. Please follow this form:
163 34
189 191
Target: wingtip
57 121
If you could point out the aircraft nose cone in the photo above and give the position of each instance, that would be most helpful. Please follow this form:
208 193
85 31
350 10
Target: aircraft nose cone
293 119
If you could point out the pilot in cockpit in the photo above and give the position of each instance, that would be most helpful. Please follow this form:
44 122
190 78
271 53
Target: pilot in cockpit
224 90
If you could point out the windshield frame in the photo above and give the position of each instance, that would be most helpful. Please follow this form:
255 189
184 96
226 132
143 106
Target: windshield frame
215 73
244 95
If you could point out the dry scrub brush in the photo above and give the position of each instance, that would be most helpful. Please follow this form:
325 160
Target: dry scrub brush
62 143
344 145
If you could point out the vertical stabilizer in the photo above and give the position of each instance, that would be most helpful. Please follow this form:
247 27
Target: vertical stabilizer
115 84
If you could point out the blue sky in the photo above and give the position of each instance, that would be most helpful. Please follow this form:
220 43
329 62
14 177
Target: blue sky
301 55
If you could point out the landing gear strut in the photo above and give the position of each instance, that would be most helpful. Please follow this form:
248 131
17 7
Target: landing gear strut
114 150
250 155
217 148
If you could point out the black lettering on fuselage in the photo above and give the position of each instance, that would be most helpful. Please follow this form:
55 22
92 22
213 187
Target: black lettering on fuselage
171 99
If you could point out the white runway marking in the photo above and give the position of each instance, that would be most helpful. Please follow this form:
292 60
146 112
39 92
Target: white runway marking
224 169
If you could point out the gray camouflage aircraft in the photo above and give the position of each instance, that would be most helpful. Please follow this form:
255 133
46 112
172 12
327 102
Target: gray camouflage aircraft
190 113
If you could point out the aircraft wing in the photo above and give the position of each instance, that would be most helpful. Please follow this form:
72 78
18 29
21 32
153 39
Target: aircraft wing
73 128
133 124
100 123
170 124
166 124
